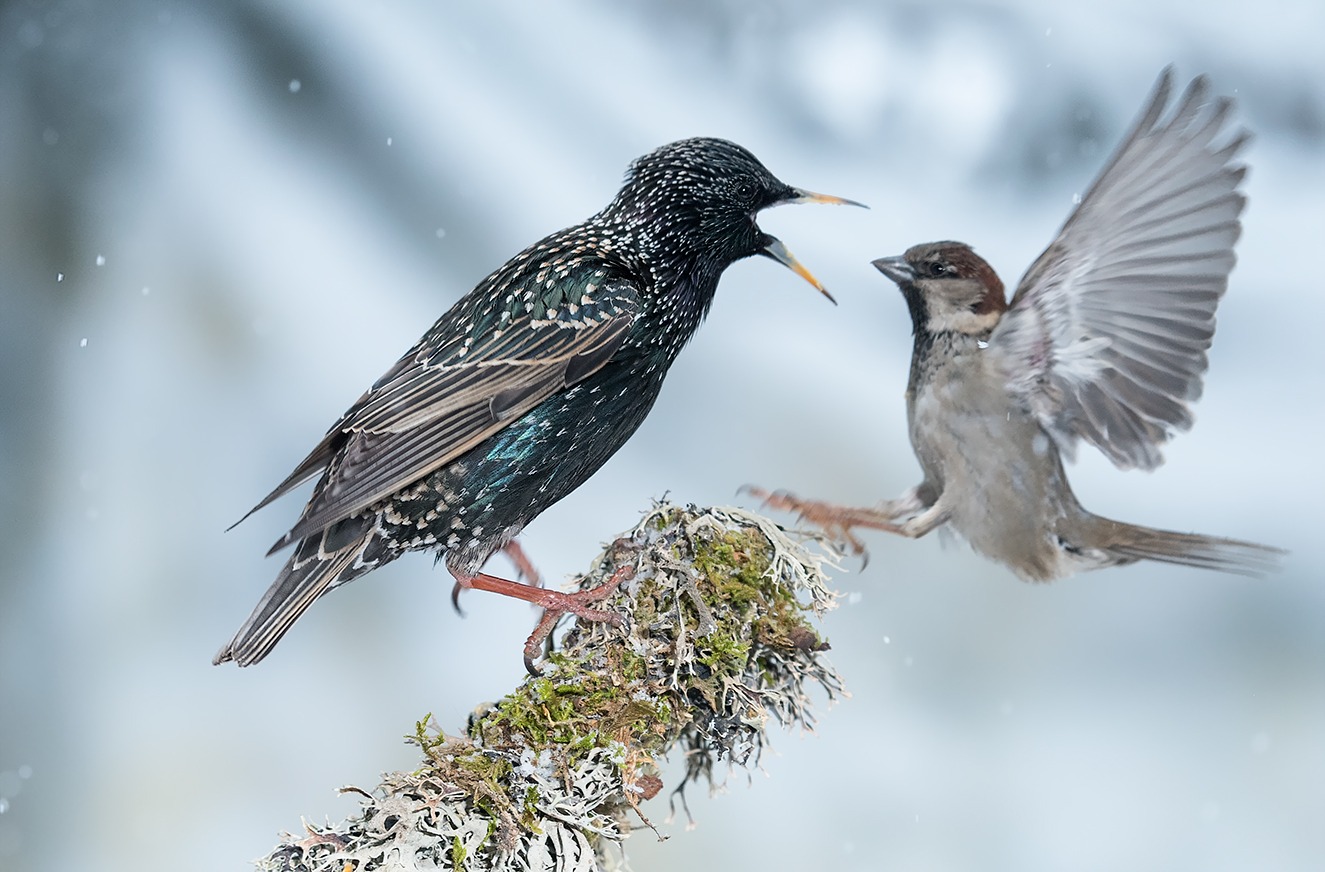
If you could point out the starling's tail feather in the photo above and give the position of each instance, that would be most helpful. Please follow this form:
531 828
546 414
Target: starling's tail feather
310 572
1131 542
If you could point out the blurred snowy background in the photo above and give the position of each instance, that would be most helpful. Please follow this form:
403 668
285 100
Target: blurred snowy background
221 221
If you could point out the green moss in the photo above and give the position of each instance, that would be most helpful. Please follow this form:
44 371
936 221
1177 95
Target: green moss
739 588
724 653
646 603
785 627
490 768
626 665
425 736
715 633
530 816
575 707
583 701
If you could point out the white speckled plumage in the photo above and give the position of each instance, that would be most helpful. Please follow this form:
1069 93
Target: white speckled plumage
525 387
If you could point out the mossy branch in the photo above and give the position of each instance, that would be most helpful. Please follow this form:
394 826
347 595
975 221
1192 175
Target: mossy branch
715 642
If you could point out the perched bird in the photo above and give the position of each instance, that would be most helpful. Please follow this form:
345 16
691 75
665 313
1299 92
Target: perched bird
1105 340
523 389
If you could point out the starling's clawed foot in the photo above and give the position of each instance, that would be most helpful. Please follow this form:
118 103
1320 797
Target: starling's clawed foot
524 569
557 603
836 521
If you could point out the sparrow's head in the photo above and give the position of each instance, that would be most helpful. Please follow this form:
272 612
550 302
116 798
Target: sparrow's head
948 288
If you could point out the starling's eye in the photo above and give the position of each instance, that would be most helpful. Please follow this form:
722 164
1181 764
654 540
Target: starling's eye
938 269
745 189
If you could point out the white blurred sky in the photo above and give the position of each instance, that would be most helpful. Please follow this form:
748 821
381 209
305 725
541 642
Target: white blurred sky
270 249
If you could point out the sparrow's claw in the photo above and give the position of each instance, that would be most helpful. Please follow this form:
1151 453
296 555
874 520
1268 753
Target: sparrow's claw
837 522
752 490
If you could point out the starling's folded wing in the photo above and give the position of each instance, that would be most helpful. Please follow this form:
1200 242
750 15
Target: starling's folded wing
1106 336
487 361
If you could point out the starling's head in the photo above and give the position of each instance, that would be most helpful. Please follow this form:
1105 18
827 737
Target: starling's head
948 288
695 202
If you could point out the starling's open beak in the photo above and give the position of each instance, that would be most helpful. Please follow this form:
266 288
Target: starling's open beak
800 195
897 269
773 248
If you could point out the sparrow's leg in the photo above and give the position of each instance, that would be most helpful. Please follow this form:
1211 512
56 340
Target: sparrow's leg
931 518
838 521
554 602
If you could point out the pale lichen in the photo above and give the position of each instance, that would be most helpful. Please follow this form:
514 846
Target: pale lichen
716 638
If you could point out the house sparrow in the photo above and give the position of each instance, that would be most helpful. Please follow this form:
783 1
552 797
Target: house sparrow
1105 340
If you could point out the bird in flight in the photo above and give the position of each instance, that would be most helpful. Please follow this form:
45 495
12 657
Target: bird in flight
1104 341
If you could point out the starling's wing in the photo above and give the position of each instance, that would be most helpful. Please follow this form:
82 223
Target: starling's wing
490 359
1106 336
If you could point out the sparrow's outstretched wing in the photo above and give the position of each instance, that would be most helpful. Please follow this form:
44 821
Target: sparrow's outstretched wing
1106 336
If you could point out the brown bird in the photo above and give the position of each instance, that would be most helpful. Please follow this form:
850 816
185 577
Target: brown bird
1105 340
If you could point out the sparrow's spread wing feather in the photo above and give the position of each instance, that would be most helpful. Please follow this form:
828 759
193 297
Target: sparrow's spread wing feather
1106 336
444 397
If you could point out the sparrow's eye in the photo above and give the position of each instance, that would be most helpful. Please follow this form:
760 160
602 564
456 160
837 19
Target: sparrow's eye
938 269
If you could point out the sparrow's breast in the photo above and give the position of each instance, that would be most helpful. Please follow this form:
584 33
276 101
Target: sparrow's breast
1000 474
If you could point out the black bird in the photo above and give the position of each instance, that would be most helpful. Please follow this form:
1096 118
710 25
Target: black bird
524 388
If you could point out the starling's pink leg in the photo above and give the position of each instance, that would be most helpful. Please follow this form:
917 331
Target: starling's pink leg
555 603
524 568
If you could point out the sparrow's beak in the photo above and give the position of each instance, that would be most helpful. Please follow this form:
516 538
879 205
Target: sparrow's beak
774 249
800 195
896 268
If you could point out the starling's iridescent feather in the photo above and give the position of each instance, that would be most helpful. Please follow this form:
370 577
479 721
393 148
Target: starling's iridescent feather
525 387
1106 336
480 367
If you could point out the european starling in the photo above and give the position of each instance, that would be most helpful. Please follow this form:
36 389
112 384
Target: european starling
524 388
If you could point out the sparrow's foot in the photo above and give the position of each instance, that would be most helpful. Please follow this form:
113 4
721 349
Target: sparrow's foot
836 521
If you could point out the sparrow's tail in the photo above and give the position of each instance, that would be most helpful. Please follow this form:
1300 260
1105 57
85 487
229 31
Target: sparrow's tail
318 564
1129 542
